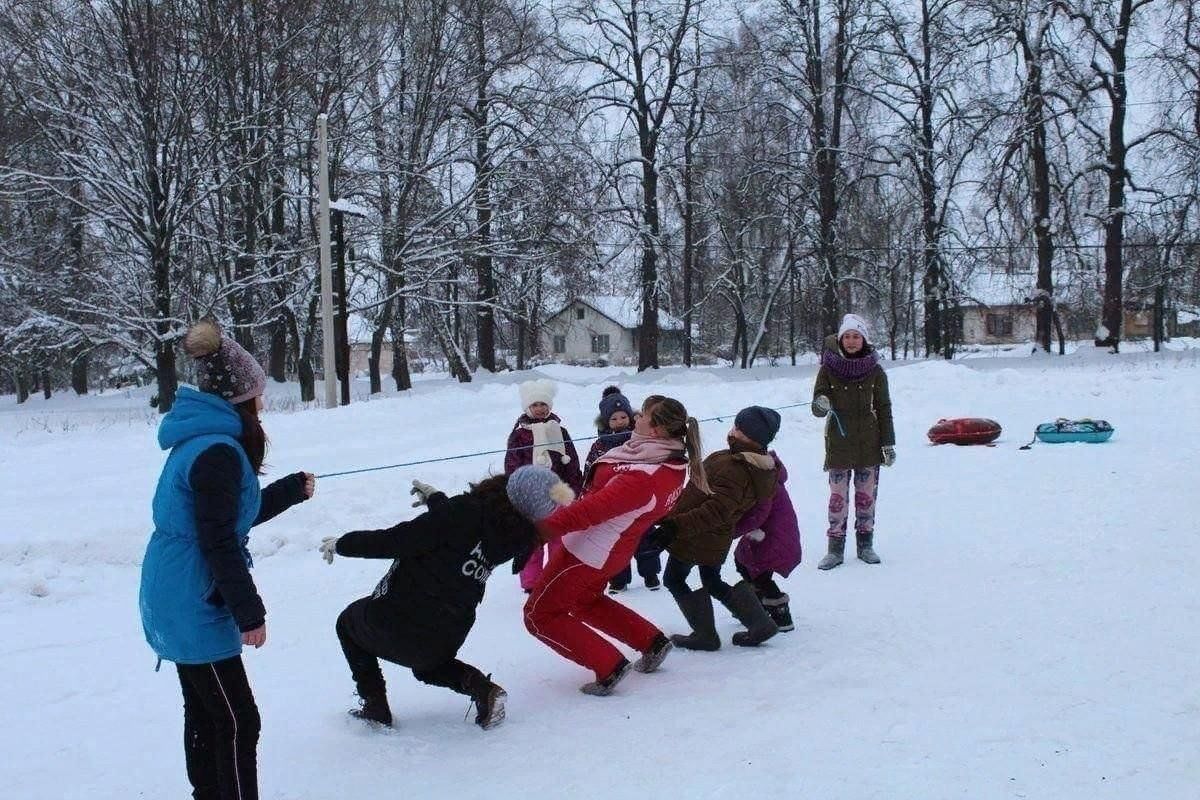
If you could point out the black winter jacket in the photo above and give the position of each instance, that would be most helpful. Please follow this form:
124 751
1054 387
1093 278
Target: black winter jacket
216 481
442 560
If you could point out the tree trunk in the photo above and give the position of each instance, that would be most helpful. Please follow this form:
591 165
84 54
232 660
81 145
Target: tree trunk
79 373
277 355
47 389
22 387
341 337
485 297
648 331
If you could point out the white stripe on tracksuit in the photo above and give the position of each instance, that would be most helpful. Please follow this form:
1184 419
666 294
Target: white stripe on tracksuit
237 773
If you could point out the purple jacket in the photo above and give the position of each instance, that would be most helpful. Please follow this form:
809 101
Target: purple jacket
780 550
520 453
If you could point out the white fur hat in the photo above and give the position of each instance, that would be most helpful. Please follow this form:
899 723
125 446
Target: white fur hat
539 391
853 322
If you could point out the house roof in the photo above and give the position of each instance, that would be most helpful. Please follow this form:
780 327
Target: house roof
625 311
998 288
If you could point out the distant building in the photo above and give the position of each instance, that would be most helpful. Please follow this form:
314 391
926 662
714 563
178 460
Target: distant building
998 308
604 328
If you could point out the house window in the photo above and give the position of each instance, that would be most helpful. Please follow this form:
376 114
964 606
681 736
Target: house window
600 344
560 344
999 324
579 312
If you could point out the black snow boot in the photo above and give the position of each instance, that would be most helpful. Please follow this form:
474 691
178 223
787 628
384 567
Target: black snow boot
865 551
489 699
837 548
744 604
697 609
374 709
780 613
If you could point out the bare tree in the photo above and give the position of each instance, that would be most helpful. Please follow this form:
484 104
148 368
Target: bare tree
633 56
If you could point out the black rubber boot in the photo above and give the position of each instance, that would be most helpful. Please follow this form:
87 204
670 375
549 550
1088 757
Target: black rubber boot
837 548
744 604
865 551
697 609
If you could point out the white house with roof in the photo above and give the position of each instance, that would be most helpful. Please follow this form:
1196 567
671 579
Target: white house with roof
603 327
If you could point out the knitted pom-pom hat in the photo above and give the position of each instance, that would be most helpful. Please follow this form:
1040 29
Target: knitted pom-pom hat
223 366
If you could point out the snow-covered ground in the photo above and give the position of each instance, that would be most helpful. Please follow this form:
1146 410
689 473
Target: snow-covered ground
1031 633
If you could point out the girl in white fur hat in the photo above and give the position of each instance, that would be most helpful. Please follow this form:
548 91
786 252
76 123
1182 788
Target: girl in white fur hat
538 437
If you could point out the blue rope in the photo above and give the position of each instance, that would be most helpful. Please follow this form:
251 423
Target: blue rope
505 450
838 420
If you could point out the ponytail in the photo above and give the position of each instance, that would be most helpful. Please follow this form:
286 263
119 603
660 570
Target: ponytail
695 453
668 414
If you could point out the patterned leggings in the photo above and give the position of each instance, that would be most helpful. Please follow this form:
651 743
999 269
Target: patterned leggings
866 487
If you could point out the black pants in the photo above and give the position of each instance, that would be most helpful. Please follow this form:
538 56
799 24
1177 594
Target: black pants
364 644
648 564
676 574
220 730
764 585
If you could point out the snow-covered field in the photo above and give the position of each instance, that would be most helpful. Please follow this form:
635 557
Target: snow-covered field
1031 633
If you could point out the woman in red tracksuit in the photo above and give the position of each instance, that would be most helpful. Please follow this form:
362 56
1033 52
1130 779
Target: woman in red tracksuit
628 489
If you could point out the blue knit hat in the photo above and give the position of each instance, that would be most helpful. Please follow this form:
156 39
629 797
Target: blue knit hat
612 401
535 492
759 423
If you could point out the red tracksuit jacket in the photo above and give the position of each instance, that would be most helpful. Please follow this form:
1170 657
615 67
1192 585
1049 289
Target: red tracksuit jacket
602 529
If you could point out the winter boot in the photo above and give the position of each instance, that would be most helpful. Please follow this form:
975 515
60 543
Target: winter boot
780 613
697 609
837 548
489 701
865 551
743 603
654 655
374 710
604 687
653 583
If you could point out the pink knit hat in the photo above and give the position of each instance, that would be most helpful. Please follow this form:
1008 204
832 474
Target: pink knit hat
223 367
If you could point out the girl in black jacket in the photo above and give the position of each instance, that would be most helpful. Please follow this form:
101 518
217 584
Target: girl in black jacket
422 610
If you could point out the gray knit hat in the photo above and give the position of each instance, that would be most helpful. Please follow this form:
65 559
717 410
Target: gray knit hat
535 492
223 367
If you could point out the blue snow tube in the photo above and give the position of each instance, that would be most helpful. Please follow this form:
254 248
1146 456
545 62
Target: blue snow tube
1092 431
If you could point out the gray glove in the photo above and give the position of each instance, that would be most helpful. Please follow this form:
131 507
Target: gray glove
328 548
889 455
821 405
423 491
756 535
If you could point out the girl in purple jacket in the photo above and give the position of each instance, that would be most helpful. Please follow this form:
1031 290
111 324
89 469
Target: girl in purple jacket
539 438
770 544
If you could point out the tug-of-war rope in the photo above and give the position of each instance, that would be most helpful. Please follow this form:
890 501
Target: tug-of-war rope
460 456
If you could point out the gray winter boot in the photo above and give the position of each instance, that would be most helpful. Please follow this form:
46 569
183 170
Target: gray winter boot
697 609
745 605
837 547
865 551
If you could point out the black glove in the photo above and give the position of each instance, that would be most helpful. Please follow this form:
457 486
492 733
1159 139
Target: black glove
661 535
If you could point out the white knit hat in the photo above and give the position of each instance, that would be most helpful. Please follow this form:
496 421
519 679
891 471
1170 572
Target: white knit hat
853 322
539 391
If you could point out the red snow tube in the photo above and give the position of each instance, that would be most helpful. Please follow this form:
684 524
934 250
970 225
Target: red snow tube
965 430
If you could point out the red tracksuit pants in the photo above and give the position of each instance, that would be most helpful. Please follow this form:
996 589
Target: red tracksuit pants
569 605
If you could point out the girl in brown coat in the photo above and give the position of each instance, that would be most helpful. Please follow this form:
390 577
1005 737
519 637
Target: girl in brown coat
852 389
699 532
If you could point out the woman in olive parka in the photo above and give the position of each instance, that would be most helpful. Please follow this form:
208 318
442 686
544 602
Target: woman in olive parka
852 390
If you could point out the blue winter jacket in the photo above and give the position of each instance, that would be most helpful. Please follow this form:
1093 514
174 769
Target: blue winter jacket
180 621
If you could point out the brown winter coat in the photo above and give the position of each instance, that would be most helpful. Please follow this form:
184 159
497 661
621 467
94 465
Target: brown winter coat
705 522
864 408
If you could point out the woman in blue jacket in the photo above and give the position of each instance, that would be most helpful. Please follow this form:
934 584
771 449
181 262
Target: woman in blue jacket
198 602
